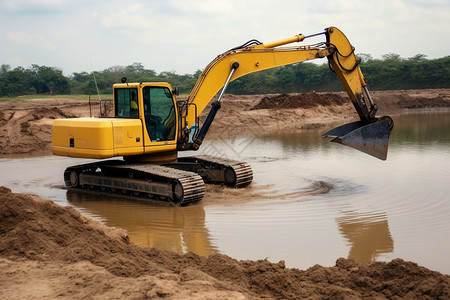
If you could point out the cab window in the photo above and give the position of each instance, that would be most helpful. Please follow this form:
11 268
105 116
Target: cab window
159 111
126 103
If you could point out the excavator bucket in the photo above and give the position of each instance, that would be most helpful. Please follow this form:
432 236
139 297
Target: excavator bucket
372 138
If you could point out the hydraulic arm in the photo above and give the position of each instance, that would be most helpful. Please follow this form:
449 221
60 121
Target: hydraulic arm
255 56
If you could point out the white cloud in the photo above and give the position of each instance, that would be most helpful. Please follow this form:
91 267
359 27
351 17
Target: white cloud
31 7
183 36
429 3
201 7
131 17
25 38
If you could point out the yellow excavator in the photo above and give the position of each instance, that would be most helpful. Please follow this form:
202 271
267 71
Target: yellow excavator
150 126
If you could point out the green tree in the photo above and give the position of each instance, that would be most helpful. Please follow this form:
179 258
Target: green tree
48 80
389 72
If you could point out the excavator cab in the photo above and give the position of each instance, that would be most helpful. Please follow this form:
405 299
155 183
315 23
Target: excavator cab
154 105
158 109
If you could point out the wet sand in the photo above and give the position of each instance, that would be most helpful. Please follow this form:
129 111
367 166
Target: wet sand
53 252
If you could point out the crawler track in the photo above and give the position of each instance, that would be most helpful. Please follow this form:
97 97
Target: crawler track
145 181
217 170
179 183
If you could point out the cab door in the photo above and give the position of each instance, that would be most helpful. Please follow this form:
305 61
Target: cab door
160 119
127 132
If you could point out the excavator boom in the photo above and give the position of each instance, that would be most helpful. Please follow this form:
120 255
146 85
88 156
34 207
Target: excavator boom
254 56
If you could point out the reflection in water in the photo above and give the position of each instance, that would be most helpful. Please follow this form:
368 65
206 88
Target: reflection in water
422 128
179 229
368 235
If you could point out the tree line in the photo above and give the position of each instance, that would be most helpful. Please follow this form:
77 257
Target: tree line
391 72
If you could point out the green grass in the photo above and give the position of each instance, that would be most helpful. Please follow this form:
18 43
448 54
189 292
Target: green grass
28 97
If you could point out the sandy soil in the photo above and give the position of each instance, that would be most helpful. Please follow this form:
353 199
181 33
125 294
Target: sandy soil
48 251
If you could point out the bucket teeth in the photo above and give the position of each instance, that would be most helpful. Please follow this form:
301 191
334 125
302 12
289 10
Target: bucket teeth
372 139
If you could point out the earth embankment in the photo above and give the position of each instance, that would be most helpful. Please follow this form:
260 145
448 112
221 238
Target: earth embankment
25 126
53 252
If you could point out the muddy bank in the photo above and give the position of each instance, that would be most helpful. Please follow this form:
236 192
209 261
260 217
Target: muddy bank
25 126
289 101
256 114
48 251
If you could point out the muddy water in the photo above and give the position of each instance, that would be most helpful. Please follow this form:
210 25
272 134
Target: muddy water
311 201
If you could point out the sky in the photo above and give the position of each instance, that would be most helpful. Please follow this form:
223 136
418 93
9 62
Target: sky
183 36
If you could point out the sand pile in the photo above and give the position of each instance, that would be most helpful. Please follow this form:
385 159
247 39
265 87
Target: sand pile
300 101
49 251
393 102
28 130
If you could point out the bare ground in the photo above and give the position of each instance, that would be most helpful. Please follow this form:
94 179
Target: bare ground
53 252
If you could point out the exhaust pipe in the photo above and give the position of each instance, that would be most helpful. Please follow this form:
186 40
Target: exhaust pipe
372 139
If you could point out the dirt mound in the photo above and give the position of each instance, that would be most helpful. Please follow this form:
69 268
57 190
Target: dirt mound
398 101
300 101
3 119
40 230
50 113
56 252
406 101
28 130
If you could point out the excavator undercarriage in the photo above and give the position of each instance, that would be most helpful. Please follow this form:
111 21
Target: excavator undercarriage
180 182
